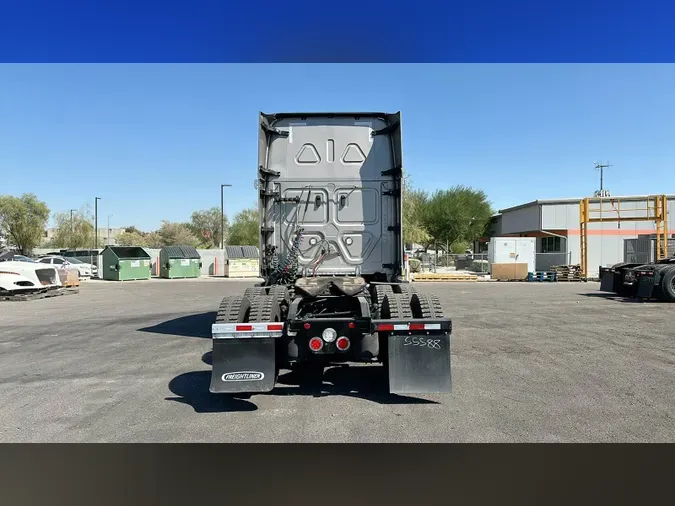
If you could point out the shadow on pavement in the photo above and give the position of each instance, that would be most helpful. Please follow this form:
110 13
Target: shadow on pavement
363 382
192 388
617 298
194 325
369 382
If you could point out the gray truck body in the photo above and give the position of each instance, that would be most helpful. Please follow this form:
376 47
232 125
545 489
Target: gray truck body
331 256
344 170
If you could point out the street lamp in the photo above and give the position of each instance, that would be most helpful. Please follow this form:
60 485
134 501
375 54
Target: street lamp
71 226
222 216
108 240
96 199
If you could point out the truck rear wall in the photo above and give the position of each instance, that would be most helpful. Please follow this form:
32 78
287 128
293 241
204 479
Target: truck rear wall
347 178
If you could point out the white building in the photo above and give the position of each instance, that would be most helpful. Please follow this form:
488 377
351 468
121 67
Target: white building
557 226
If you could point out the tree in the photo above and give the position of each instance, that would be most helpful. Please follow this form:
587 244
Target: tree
174 234
23 220
206 224
244 229
131 237
72 233
413 203
457 214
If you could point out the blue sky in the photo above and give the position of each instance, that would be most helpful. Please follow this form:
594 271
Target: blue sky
155 141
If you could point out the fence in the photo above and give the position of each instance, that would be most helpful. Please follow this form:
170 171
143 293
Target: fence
643 251
478 263
544 261
448 262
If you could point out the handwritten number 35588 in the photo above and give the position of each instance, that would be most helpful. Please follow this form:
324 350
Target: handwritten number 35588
434 344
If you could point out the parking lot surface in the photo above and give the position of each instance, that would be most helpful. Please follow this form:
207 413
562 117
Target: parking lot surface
532 362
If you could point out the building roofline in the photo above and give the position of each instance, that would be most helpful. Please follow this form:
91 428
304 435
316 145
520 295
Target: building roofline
574 201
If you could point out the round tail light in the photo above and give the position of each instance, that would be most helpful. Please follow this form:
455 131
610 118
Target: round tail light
342 343
352 325
315 344
306 326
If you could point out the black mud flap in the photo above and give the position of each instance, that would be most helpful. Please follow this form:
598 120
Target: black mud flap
419 360
607 279
645 289
245 364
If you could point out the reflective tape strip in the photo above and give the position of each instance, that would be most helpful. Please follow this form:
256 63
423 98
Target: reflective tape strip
408 326
246 330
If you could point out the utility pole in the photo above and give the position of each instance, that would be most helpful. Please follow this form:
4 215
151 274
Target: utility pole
222 216
96 199
108 240
602 167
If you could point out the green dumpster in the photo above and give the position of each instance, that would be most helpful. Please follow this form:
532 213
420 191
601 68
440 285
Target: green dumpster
179 262
124 263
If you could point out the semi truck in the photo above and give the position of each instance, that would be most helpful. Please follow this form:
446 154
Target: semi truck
655 280
334 289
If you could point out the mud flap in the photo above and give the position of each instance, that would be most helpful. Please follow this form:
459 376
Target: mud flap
607 280
244 361
645 287
419 362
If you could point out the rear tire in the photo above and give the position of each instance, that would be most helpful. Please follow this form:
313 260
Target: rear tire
426 305
405 288
668 285
232 310
379 293
252 292
396 306
265 308
281 293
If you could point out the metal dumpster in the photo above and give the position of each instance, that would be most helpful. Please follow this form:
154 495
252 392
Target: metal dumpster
179 262
124 263
242 262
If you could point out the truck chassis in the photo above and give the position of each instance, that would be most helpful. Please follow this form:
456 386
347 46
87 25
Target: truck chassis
643 281
321 321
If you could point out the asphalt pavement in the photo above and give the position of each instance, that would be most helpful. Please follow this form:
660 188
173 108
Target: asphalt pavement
532 362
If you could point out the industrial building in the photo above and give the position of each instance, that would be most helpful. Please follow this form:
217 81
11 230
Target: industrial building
558 225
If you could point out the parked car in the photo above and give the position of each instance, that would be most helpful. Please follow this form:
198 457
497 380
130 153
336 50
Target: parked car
84 269
10 256
27 276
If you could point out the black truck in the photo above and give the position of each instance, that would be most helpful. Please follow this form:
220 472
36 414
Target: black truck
332 260
654 280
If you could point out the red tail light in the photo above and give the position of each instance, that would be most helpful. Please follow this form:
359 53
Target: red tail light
275 327
307 326
352 325
315 344
342 343
416 326
243 328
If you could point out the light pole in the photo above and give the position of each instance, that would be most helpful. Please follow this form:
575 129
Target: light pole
222 216
108 240
96 199
71 226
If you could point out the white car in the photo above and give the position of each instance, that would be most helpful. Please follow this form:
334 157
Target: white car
86 270
27 277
